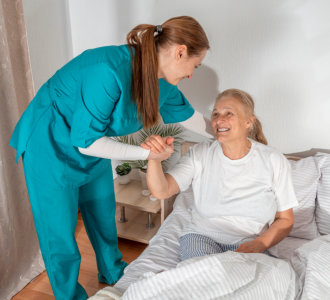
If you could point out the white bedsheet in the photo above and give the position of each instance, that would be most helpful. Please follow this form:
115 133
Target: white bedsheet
162 254
227 275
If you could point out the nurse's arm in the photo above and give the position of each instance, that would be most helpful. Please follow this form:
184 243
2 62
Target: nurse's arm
106 147
199 124
160 185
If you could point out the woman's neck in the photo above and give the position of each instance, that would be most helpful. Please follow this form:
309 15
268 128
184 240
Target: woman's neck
163 57
237 149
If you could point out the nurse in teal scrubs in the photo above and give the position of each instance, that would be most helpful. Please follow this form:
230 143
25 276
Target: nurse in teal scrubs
64 139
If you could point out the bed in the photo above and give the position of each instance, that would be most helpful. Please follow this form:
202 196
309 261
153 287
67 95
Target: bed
299 270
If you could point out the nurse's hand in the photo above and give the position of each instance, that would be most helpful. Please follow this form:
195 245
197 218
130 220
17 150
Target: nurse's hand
158 144
161 147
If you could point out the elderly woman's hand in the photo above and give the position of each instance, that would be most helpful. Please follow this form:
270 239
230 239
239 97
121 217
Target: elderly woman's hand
161 147
254 246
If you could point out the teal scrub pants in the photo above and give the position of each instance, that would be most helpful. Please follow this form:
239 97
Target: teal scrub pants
55 211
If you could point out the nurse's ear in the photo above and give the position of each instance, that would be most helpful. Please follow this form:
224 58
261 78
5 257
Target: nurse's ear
181 52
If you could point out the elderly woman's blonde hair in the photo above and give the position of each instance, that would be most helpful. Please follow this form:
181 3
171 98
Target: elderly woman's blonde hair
255 132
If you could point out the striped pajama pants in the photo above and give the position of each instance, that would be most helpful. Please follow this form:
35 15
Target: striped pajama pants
193 245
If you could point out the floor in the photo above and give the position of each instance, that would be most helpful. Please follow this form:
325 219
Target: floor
40 289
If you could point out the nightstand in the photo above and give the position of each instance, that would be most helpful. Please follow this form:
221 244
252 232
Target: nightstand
137 217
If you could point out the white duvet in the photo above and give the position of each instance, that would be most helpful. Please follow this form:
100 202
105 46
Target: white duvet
227 275
303 273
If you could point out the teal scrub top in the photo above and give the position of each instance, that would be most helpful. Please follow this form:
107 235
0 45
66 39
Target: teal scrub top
88 98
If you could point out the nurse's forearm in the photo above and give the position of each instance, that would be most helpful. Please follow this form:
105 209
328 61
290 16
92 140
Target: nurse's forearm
106 147
199 124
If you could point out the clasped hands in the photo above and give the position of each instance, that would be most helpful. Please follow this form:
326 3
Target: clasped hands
161 148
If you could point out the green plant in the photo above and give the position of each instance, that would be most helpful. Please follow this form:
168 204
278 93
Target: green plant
123 169
159 129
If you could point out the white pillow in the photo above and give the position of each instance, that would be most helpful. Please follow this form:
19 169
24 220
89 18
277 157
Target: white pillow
305 176
322 211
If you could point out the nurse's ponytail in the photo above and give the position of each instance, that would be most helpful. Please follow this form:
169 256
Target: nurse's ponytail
255 131
144 41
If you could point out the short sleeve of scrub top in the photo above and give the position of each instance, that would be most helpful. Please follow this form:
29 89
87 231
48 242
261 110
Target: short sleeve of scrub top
176 107
99 93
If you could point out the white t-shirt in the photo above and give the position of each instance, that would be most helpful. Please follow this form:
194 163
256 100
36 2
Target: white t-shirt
234 200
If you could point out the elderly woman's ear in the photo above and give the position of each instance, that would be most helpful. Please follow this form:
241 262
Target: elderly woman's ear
250 122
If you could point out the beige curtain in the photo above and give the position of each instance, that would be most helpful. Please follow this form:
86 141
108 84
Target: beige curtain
20 259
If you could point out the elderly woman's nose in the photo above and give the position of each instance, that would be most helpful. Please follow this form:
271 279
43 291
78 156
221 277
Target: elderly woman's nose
221 118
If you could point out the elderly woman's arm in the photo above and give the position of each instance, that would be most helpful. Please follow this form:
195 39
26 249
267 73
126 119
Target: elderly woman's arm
161 185
277 231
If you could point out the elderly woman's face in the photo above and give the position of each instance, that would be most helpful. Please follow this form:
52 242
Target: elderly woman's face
229 120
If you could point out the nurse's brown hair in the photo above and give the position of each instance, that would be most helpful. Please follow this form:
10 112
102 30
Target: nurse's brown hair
144 41
255 132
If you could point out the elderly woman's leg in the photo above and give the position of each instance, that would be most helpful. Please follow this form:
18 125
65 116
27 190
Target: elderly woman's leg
193 245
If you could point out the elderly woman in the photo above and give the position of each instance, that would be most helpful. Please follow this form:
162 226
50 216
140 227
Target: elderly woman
243 191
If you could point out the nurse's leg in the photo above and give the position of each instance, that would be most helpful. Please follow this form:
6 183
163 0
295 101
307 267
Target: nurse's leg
55 217
98 206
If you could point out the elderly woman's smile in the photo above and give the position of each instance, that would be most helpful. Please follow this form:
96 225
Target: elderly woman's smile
223 129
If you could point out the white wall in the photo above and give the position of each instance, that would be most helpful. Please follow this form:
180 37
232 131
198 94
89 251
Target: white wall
106 22
278 51
49 37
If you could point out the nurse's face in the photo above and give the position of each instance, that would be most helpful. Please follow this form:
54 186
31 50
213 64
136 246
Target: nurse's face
175 64
230 122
